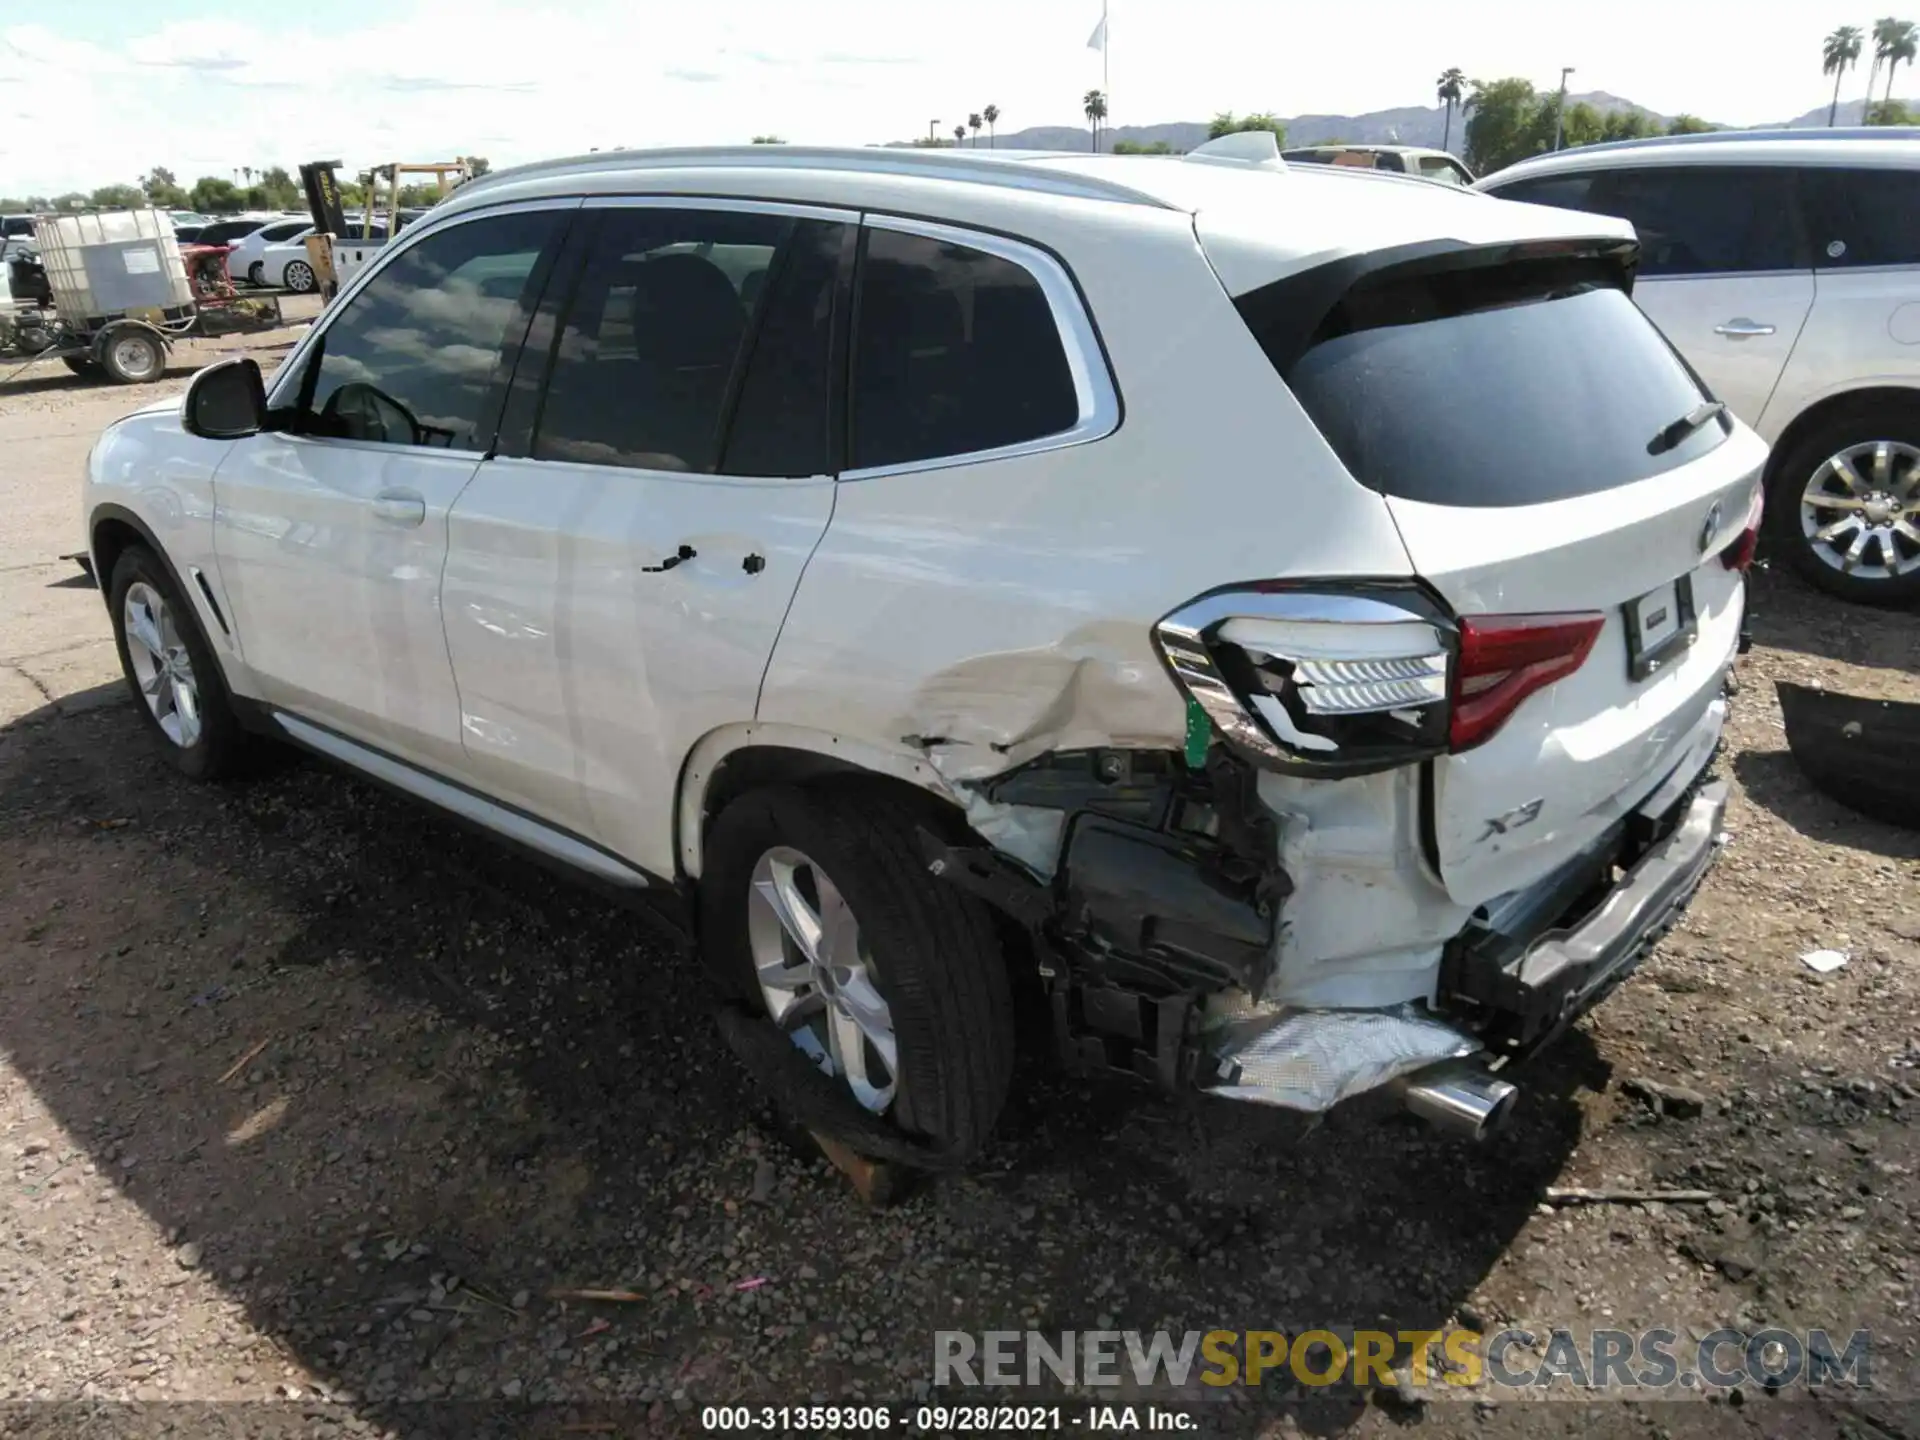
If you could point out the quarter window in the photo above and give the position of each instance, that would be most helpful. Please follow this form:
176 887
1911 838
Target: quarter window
955 351
1863 217
414 359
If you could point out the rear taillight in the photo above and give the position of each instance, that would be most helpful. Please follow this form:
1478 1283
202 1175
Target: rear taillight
1316 681
1739 555
1330 680
1505 658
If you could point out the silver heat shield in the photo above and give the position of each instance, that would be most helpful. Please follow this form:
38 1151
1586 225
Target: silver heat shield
1313 1059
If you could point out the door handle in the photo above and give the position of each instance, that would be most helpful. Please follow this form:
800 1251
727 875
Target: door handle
1741 328
400 507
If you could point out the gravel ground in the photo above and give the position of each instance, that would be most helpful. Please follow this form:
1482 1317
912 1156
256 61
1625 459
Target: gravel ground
307 1098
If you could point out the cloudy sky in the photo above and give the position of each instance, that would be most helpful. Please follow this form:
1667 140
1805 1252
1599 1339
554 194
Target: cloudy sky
93 91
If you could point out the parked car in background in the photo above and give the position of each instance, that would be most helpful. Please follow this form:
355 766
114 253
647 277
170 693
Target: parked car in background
12 226
187 234
1785 265
287 264
249 252
225 232
1394 159
716 524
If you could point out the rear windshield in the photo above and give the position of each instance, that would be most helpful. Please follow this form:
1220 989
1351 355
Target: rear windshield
1498 387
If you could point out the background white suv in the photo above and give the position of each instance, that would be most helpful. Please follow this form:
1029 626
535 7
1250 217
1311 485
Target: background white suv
1269 609
1785 265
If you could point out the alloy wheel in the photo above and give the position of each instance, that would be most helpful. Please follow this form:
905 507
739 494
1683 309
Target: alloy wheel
817 977
1860 511
161 665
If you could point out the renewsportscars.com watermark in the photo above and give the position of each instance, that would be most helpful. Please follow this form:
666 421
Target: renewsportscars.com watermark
1638 1360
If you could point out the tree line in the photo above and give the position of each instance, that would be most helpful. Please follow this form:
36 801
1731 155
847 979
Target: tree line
271 188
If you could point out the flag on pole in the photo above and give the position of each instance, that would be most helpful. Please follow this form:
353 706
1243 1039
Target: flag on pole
1098 40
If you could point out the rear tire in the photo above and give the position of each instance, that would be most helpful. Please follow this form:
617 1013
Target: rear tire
298 277
82 365
132 356
256 274
172 672
1829 487
927 952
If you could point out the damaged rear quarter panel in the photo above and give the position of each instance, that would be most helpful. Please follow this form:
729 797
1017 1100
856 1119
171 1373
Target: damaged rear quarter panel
986 613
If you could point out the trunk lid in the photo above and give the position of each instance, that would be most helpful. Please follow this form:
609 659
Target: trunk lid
1544 452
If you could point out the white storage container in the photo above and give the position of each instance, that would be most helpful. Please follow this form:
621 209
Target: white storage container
117 263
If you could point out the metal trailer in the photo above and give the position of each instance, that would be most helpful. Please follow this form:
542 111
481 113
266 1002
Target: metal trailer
108 294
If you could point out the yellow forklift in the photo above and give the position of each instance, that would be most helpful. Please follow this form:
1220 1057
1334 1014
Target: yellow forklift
334 251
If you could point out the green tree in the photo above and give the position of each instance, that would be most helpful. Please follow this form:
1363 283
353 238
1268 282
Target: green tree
959 135
163 190
992 116
1452 88
481 165
212 195
1889 112
768 140
1689 125
931 142
283 191
72 200
1894 41
974 123
1503 123
1838 52
1094 106
118 197
10 205
1135 147
1228 123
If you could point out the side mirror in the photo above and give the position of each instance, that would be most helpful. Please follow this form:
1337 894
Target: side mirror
227 401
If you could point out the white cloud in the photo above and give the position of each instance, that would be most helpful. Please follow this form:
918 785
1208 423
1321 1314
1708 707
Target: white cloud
433 78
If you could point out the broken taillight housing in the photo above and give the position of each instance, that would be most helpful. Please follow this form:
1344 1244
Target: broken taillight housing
1739 555
1351 680
1317 681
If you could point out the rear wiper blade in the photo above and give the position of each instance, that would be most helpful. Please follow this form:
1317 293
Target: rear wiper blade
1672 435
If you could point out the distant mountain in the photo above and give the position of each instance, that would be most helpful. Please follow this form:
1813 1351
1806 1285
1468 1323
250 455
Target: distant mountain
1408 125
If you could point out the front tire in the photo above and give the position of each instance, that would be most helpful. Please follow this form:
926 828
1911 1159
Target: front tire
172 671
298 277
816 913
1843 505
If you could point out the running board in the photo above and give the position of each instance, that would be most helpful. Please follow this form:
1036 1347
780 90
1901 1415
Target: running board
507 823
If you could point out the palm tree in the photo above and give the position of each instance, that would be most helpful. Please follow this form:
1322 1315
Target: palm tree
1840 50
1094 105
959 135
992 116
973 124
1894 41
1453 86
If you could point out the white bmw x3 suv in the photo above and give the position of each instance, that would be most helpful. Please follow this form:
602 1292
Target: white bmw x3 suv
1280 614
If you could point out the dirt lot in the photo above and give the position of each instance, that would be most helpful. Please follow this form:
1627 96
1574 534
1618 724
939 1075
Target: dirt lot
306 1098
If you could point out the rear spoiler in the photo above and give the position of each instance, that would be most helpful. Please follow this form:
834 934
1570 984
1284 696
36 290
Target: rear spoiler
1290 314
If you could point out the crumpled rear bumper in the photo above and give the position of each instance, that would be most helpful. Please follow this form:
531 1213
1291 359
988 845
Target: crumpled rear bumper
1508 1003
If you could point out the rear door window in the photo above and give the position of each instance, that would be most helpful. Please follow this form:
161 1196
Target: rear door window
654 355
955 351
1863 217
1563 192
1697 219
1499 386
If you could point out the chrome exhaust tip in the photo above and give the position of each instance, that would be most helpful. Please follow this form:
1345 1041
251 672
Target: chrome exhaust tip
1461 1096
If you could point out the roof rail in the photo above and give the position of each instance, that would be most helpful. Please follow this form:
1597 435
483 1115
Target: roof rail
1001 167
1707 137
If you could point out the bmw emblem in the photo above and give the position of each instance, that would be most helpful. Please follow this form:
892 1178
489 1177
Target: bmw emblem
1710 527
